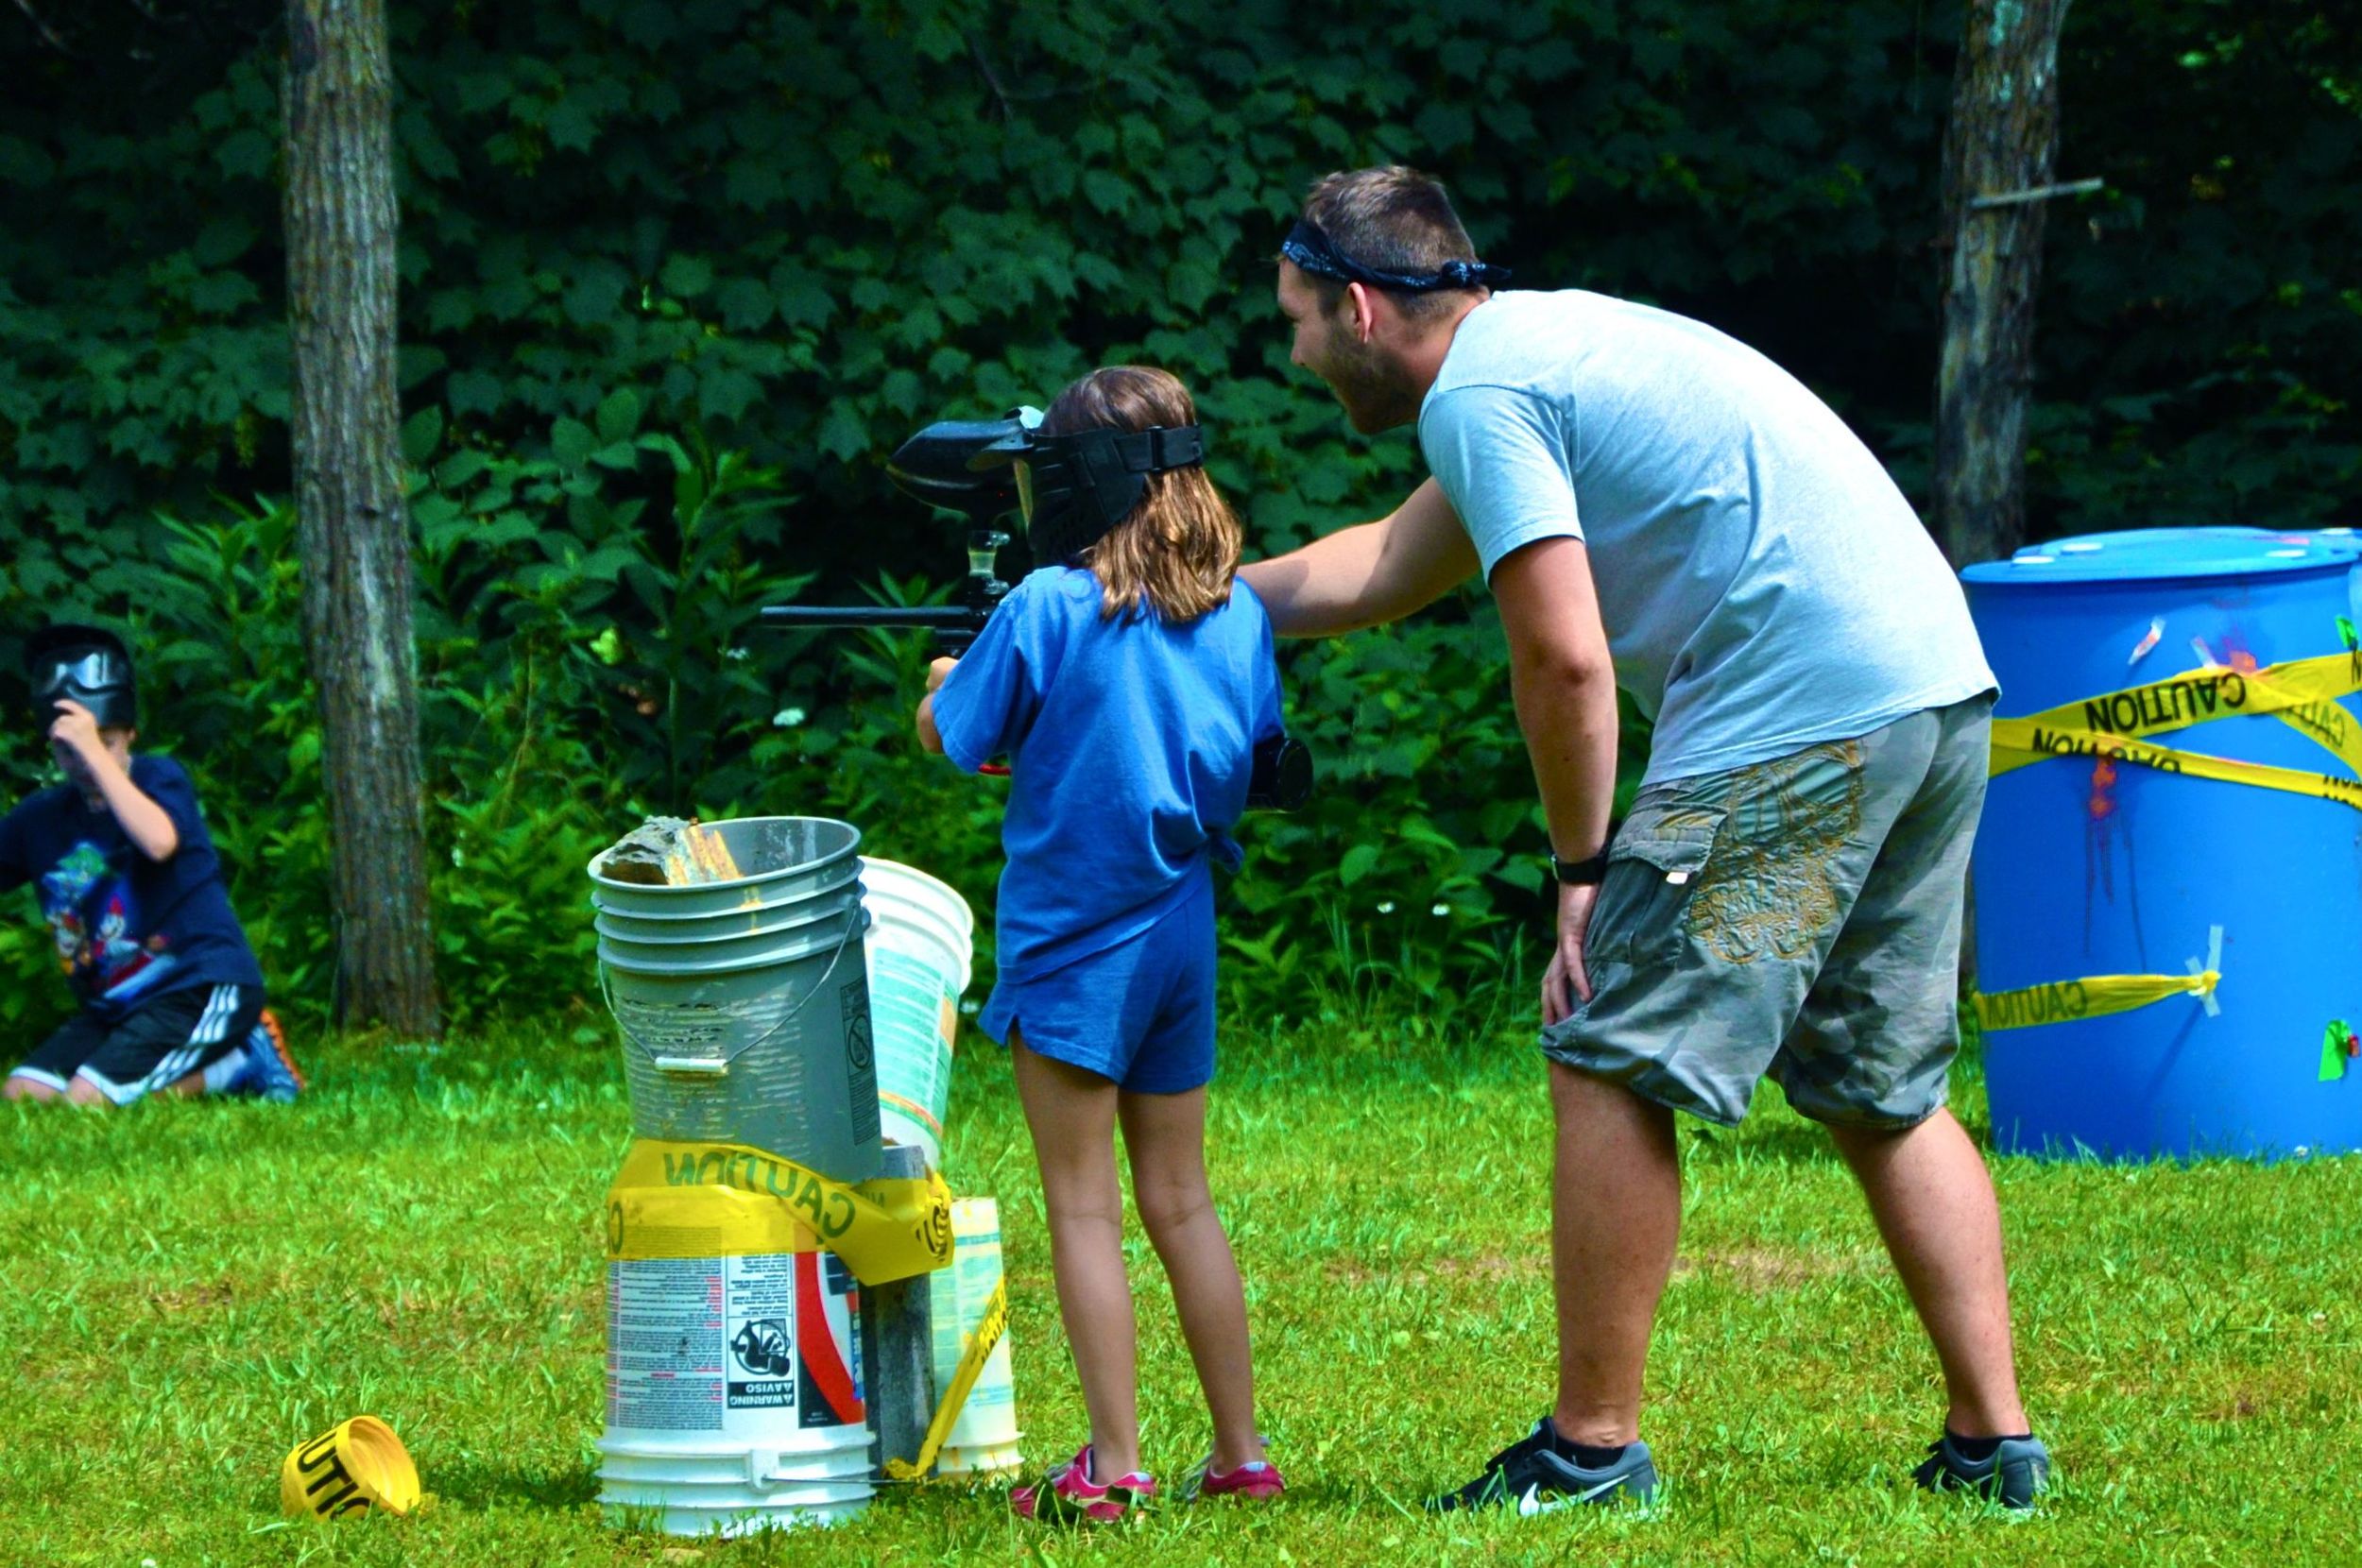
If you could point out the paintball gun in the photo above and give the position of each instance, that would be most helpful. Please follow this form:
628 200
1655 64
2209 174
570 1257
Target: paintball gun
939 466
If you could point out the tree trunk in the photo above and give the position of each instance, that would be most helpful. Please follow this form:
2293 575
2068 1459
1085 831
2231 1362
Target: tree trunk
353 530
2003 132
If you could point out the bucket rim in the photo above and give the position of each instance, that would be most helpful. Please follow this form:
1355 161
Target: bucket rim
897 871
850 850
681 970
923 917
605 905
807 917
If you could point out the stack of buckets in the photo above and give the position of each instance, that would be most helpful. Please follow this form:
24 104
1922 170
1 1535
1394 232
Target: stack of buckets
792 1011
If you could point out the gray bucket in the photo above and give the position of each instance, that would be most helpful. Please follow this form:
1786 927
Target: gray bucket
755 1033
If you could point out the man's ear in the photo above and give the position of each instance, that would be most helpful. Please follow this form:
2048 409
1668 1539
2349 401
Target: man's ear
1360 312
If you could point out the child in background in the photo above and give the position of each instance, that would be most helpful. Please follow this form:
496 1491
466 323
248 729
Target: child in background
1128 682
171 996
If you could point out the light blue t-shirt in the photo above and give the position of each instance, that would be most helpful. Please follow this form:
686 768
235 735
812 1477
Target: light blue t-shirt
1764 584
1130 746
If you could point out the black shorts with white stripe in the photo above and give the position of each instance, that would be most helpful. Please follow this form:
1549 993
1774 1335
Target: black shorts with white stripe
150 1048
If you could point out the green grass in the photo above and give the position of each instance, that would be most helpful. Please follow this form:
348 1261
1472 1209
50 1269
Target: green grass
188 1290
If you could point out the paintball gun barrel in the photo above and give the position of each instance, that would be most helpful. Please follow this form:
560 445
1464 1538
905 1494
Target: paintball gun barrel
932 466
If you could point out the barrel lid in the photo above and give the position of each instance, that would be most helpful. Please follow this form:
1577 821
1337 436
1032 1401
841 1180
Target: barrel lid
2143 555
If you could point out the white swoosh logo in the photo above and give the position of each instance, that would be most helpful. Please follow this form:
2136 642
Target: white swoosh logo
1533 1502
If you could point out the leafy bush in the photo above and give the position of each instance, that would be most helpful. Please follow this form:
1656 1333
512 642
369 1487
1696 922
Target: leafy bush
568 692
552 718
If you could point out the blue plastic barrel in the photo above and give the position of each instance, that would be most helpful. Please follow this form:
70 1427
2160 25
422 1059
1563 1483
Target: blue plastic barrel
2077 875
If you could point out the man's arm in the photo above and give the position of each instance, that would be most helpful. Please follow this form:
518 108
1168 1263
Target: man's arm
1564 684
1369 573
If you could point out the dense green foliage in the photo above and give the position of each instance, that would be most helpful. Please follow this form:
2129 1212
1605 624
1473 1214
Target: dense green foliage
192 1290
783 236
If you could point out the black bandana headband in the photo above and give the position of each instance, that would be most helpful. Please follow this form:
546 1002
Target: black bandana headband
1317 254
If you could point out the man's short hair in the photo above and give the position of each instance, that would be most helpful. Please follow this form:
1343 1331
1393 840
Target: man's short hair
1395 219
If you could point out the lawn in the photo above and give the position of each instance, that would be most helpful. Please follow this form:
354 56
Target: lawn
189 1289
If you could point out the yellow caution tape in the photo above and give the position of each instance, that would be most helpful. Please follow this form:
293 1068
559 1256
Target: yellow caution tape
717 1200
979 1348
2018 741
2301 693
2331 727
2202 696
2066 1001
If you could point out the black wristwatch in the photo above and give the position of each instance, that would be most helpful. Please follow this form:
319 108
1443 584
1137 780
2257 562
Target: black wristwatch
1588 873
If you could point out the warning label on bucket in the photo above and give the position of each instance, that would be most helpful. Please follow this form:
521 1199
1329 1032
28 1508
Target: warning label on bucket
665 1344
916 1017
762 1342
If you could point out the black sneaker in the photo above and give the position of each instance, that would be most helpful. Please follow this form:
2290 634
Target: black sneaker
1530 1476
2017 1471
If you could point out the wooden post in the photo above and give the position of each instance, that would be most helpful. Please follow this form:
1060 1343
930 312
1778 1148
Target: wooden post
897 1332
1997 155
353 530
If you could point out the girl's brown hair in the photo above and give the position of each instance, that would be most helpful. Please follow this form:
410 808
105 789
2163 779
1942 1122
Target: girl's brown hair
1175 553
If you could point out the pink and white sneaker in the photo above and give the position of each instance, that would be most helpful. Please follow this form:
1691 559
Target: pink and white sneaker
1068 1494
1257 1481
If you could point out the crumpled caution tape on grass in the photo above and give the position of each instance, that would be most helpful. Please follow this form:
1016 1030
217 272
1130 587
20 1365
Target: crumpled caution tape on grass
718 1199
972 1357
2301 693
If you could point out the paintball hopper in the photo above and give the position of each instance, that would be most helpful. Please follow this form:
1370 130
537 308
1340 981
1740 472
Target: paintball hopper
70 663
941 464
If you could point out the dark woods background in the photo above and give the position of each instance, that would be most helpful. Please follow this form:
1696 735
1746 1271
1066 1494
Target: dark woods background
680 275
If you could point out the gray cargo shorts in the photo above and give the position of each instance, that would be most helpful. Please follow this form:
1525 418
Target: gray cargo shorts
1799 917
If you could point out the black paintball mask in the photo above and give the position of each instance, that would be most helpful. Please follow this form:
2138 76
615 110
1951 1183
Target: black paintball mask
84 664
1075 486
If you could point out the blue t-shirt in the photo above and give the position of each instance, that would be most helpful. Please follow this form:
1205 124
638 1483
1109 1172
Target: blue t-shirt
1763 584
129 928
1130 745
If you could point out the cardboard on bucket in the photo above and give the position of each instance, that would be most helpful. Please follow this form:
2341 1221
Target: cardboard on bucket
352 1468
983 1439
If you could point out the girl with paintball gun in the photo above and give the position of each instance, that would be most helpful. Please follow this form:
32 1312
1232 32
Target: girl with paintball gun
1128 682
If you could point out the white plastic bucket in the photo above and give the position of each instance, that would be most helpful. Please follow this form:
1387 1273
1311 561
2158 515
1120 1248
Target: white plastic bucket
983 1440
734 1398
921 945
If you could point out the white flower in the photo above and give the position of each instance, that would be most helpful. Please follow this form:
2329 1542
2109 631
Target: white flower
1440 910
457 856
740 654
971 1007
787 718
1386 907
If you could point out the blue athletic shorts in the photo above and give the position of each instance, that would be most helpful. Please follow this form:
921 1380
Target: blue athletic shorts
1141 1014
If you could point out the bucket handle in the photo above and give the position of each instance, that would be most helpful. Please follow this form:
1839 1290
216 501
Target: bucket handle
706 1067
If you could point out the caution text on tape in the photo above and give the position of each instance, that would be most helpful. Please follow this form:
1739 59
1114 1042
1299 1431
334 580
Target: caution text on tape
712 1199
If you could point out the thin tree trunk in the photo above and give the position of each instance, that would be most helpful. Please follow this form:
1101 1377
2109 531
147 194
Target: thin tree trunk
354 530
2002 136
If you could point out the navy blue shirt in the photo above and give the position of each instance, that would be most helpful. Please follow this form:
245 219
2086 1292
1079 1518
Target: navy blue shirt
129 928
1130 743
